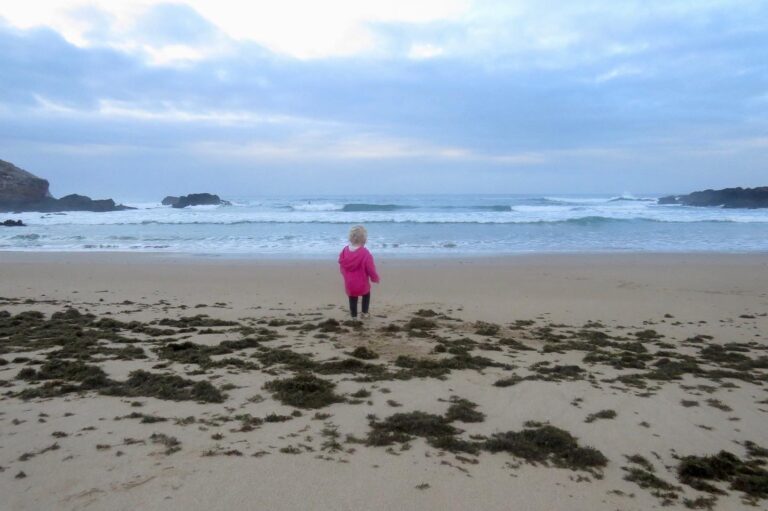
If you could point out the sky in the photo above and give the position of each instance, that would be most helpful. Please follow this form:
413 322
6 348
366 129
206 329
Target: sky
141 99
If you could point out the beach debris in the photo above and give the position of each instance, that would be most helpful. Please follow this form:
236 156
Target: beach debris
602 414
463 410
304 391
749 477
364 353
544 443
489 329
170 443
643 475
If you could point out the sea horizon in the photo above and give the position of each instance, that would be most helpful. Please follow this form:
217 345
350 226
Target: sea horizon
402 225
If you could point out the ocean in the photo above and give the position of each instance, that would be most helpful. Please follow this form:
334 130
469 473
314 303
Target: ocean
398 225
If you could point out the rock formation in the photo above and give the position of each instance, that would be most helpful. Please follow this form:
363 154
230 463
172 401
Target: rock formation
13 223
727 198
22 191
195 199
18 185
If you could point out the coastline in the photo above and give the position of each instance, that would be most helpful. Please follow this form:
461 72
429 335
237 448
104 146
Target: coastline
568 286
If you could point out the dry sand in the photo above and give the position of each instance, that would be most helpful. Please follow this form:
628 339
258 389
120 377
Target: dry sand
102 460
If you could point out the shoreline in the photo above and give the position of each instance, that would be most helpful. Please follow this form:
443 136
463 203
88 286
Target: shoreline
413 257
617 286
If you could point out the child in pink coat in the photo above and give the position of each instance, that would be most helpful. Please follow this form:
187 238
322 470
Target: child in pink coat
357 267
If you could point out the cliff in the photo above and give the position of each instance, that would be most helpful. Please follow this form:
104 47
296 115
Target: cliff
23 191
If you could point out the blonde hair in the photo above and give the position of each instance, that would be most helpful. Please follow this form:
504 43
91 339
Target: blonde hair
358 235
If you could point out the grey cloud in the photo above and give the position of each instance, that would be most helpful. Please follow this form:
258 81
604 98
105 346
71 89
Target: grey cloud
677 85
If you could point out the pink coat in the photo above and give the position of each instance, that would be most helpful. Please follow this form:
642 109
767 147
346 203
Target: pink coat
357 267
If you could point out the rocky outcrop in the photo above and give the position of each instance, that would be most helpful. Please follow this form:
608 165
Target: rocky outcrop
727 198
13 223
72 202
18 185
23 191
195 199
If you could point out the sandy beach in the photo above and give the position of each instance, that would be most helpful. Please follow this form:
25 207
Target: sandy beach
537 382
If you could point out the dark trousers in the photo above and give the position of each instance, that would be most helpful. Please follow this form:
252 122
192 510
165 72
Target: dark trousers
353 304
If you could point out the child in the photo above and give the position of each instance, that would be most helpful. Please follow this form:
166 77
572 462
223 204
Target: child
356 265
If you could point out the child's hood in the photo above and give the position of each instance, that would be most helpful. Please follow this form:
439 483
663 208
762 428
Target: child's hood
352 260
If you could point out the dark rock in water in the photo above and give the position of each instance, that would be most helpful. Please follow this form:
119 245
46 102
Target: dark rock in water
170 201
727 198
76 202
71 202
13 223
629 199
23 191
198 199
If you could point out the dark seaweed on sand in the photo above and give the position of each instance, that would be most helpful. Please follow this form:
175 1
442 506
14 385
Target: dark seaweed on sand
77 371
602 414
164 386
295 361
643 475
546 443
60 377
420 323
463 410
170 443
291 359
304 391
422 367
508 381
557 372
402 427
349 366
76 334
191 353
452 443
489 329
749 477
200 320
364 353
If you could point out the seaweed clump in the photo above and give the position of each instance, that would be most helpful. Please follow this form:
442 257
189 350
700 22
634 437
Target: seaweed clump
304 391
508 381
65 370
643 475
749 477
419 323
61 376
164 386
427 368
557 372
547 444
463 410
489 329
364 353
191 353
200 320
402 427
602 414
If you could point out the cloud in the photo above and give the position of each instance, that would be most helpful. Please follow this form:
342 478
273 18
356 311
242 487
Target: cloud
592 88
339 147
294 28
424 51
